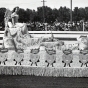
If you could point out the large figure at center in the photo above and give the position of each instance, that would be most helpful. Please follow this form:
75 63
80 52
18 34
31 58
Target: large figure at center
16 34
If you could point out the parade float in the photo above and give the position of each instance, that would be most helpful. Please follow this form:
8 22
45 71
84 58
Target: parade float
24 54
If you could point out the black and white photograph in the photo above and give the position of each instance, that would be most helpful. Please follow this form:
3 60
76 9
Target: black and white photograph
43 43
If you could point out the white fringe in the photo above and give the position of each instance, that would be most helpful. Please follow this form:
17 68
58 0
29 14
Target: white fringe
44 71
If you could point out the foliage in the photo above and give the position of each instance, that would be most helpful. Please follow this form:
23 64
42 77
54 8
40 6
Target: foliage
2 13
62 14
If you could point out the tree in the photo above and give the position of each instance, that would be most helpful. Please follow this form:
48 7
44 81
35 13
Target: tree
23 15
64 14
82 13
86 13
76 14
40 13
2 13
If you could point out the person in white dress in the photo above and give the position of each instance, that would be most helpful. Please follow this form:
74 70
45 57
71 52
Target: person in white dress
18 31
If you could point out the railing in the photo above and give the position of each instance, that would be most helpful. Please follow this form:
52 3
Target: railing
62 35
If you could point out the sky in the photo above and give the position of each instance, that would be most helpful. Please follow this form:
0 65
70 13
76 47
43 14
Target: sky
33 4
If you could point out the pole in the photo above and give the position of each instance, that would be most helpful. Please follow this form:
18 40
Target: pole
71 11
43 11
83 27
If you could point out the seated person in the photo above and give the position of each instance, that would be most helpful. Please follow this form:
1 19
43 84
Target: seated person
15 16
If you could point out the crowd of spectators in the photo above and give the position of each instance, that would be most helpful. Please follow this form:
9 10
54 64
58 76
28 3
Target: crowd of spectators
58 26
